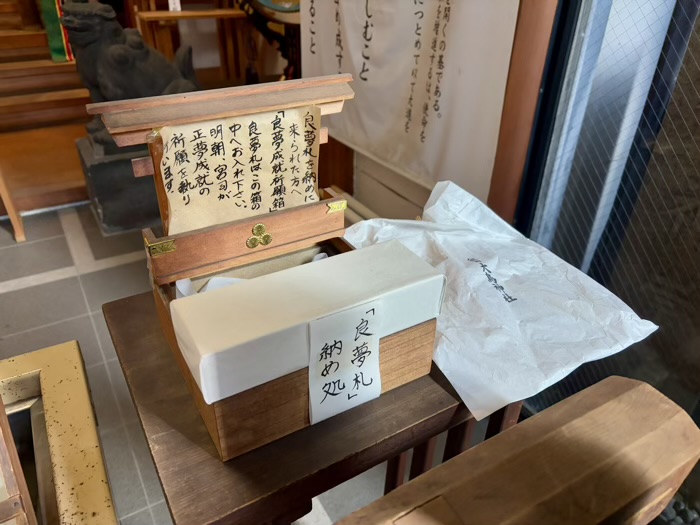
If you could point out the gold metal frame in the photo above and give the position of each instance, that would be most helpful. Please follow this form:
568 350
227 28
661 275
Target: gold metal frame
56 375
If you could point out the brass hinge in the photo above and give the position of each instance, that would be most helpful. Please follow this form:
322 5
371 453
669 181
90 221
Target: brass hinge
337 206
159 248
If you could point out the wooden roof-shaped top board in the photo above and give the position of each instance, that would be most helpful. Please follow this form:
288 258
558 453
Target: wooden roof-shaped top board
131 121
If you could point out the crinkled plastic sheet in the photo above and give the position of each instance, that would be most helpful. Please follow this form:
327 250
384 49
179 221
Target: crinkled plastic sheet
516 318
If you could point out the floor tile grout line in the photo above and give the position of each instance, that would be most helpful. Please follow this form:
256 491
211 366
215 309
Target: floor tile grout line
78 244
29 243
37 279
153 517
47 325
80 250
147 507
114 261
95 365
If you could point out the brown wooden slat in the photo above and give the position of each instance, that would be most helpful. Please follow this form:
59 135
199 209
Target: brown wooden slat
161 16
8 8
215 94
155 117
396 471
530 46
34 83
37 101
33 119
19 39
422 459
459 439
336 166
503 419
36 67
22 54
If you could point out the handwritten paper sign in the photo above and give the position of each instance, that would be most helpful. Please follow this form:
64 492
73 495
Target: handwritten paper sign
344 360
223 170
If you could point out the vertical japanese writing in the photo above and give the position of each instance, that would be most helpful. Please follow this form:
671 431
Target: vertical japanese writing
239 167
279 189
332 387
429 80
338 37
494 282
236 166
180 163
311 139
417 44
442 47
312 27
367 34
201 169
363 334
254 165
294 159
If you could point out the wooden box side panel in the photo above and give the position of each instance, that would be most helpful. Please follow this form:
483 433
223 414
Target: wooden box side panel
275 409
223 246
206 411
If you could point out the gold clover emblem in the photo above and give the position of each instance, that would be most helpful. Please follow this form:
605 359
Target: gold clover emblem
260 236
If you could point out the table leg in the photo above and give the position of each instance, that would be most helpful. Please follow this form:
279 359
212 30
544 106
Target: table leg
395 472
12 212
422 460
459 439
503 419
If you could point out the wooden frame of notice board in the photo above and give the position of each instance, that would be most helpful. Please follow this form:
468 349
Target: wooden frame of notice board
254 417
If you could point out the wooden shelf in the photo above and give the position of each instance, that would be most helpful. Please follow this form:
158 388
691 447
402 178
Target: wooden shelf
164 16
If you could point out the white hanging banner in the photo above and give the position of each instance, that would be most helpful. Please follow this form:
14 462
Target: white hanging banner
429 80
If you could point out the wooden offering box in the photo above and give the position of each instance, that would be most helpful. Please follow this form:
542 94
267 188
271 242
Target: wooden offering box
267 412
263 410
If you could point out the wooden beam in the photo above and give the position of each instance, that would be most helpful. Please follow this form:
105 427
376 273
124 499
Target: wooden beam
614 453
530 47
148 119
215 94
161 16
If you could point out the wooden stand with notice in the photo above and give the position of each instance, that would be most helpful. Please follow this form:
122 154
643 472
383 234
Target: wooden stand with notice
262 414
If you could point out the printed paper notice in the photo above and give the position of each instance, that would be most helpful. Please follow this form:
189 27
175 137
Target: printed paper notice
344 360
220 171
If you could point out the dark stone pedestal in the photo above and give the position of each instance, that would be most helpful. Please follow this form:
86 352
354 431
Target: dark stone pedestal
121 201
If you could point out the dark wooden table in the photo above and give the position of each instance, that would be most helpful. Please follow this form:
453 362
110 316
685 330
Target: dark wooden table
273 484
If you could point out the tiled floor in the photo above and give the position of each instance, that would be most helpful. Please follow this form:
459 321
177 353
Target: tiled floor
52 288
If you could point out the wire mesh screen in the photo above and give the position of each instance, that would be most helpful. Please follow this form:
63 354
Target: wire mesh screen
621 192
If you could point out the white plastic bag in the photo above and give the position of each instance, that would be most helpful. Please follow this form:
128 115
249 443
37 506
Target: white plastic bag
516 317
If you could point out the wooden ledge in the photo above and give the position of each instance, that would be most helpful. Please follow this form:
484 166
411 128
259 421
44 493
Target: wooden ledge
162 16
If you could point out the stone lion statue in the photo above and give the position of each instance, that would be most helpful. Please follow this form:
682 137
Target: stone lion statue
115 64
